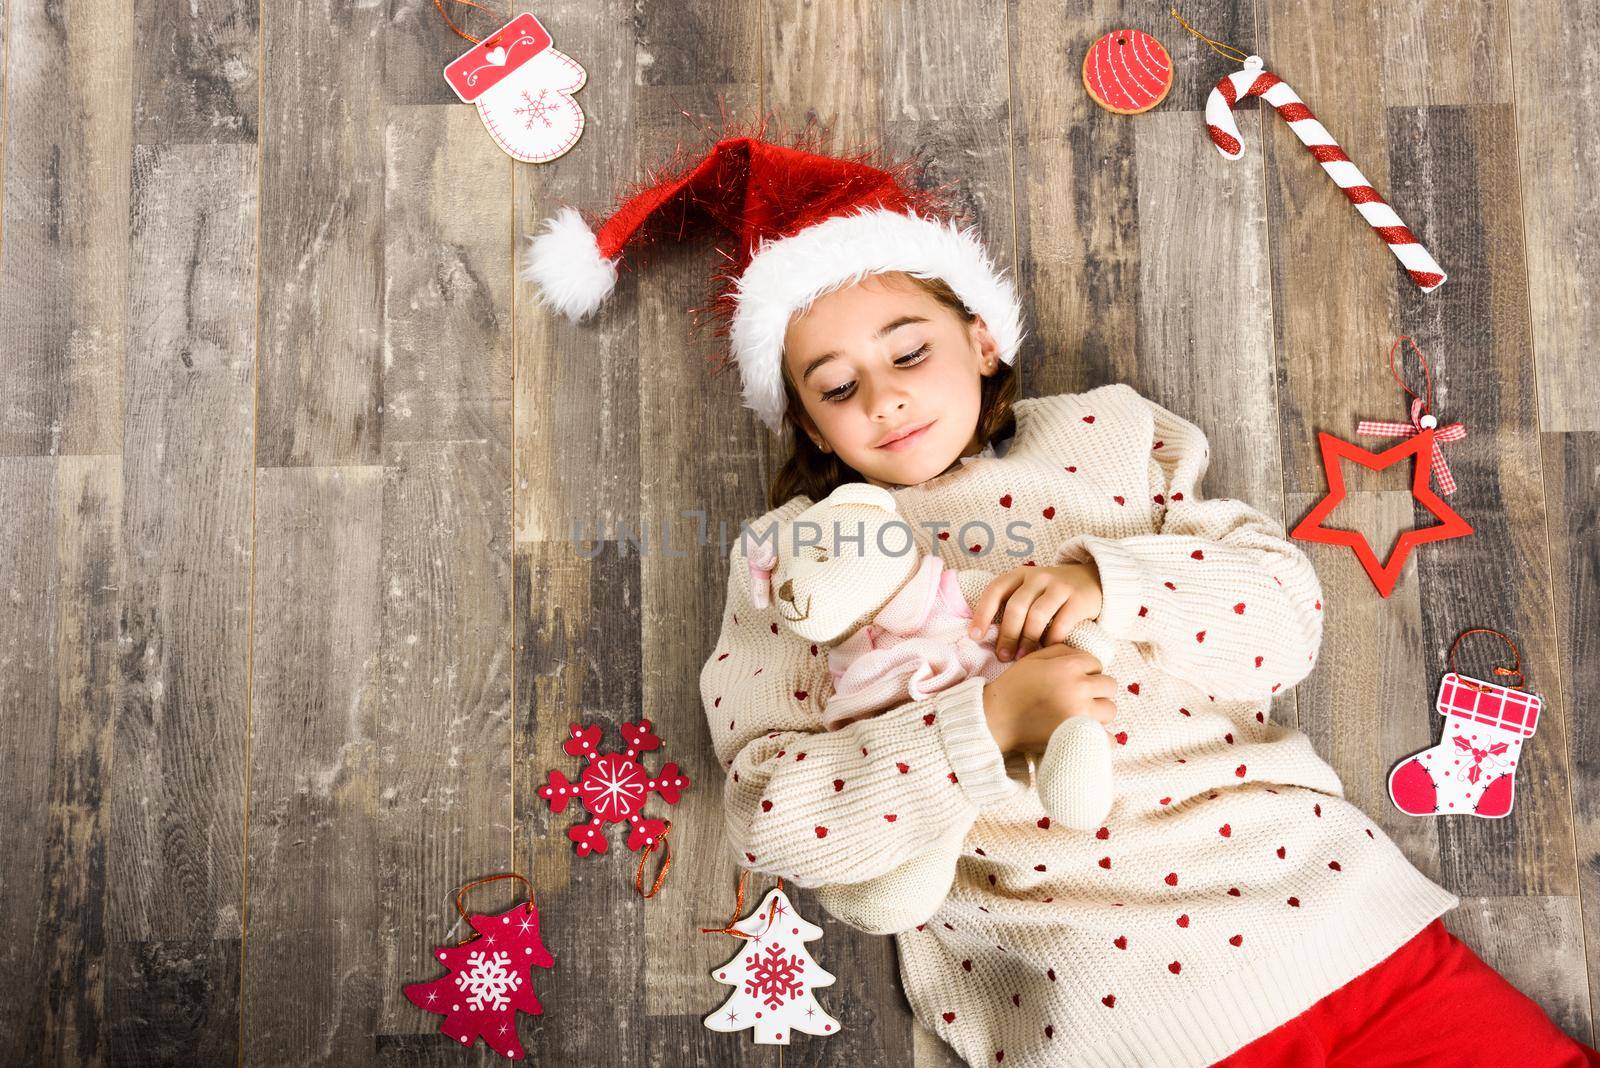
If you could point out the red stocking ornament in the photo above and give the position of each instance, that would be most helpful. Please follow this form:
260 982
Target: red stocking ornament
490 976
1472 769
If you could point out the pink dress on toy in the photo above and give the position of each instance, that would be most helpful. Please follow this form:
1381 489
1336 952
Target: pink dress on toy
916 646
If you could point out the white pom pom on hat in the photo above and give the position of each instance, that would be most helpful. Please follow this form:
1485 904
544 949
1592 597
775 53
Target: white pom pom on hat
806 223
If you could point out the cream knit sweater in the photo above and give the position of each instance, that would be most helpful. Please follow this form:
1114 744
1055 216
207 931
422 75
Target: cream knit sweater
1232 885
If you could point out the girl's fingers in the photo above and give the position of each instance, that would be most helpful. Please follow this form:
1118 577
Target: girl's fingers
1103 710
989 603
1062 622
1102 686
1012 622
1045 607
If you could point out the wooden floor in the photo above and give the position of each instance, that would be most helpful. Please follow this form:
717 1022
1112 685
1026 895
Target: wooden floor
290 464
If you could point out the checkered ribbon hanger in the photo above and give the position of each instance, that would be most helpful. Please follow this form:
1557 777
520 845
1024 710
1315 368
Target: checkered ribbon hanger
1422 418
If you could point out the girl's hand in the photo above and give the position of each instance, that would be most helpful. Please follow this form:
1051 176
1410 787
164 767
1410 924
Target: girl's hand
1026 703
1041 605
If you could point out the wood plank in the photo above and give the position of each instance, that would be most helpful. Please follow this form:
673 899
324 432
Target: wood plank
445 738
568 609
1461 172
1572 486
1558 135
311 962
64 257
1537 944
444 730
448 279
322 265
175 879
59 562
1206 334
1334 282
690 456
1368 704
577 394
418 44
195 77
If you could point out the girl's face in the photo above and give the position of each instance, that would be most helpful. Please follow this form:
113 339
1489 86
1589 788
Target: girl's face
883 360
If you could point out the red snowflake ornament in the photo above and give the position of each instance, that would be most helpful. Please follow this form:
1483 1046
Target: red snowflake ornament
614 787
490 980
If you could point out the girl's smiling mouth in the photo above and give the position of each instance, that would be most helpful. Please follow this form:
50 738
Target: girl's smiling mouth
909 439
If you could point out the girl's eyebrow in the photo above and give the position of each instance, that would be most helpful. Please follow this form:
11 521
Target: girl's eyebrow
895 324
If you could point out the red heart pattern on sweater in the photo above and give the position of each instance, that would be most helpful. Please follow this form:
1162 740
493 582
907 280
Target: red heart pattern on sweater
838 784
766 806
1226 830
1005 502
1050 512
1121 941
1183 921
903 766
1175 967
1103 833
1044 823
1109 1001
1238 609
1198 555
1133 688
1236 940
1105 862
949 1017
1172 878
822 832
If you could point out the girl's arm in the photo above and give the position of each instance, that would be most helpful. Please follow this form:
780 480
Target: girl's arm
1217 594
823 807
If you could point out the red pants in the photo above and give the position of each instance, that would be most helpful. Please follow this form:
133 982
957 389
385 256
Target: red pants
1432 1002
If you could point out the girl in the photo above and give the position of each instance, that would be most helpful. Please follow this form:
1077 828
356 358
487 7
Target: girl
1234 907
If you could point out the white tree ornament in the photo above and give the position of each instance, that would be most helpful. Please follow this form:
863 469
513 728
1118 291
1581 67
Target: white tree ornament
773 977
523 88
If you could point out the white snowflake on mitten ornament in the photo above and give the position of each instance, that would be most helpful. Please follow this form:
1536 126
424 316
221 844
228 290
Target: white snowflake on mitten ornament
523 89
773 977
1472 769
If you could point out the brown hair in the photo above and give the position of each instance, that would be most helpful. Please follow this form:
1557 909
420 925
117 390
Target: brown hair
814 473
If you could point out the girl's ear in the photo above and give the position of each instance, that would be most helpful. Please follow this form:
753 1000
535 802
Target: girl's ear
982 340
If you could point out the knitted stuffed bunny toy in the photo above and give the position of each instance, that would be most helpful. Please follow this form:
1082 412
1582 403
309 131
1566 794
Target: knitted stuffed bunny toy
895 622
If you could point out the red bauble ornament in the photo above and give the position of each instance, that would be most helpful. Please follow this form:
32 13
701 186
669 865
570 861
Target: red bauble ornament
614 787
1384 574
490 980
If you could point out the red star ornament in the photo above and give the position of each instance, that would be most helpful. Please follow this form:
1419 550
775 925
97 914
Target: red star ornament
1420 448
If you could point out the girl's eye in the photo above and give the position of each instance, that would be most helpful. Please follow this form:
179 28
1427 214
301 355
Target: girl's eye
910 359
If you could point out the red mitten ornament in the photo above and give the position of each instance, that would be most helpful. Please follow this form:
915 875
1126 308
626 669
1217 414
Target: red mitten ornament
614 787
774 977
523 88
490 979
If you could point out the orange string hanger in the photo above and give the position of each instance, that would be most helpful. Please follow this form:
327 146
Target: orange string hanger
459 32
666 864
1499 671
1226 51
462 891
738 909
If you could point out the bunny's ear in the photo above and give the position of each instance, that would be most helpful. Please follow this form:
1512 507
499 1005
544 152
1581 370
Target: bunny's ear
761 566
862 493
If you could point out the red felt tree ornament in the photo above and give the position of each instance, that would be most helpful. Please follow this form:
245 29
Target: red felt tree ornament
489 975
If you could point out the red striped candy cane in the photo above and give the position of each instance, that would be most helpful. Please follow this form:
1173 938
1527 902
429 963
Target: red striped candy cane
1255 81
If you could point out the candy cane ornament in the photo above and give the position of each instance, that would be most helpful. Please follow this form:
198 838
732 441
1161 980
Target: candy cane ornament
1254 80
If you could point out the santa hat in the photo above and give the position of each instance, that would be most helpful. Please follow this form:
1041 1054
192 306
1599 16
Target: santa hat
806 224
